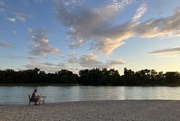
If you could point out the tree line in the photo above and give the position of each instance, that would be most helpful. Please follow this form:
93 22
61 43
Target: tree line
94 77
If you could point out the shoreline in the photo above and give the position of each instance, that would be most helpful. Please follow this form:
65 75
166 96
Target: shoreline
54 84
104 110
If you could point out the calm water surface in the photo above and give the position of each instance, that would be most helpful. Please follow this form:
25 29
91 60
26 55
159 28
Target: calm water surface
19 94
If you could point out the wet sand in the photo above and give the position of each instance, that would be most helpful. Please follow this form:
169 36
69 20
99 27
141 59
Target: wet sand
126 110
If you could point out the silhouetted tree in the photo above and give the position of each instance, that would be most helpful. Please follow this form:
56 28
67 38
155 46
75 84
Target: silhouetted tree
94 76
172 77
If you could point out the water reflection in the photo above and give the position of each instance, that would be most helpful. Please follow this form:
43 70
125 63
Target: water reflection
19 94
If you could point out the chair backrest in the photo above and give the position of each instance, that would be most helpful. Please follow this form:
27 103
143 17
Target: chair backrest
29 97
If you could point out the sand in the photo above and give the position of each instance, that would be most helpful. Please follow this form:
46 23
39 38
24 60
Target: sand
126 110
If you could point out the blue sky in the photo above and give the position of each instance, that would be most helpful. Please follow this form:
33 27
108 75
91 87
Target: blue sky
84 34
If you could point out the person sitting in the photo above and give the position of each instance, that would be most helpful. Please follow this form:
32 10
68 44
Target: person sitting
35 97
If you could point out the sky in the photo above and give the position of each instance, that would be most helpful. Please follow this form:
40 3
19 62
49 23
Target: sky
84 34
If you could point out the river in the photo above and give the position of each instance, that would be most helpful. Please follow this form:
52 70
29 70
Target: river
55 94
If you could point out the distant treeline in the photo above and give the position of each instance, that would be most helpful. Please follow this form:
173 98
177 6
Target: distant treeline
96 77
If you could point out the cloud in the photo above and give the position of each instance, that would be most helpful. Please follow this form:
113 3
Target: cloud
2 6
16 12
40 44
48 67
70 2
30 30
6 44
11 19
90 61
87 24
140 12
112 63
39 1
162 27
1 3
22 16
96 25
72 63
35 1
14 32
167 51
21 57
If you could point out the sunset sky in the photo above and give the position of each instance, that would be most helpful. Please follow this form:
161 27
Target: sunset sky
83 34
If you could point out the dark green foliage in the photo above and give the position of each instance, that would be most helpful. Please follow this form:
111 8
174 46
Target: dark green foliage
150 77
99 77
94 77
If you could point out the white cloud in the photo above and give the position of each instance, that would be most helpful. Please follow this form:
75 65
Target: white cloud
14 32
72 63
115 4
2 3
40 44
30 30
162 27
97 27
2 6
21 57
112 63
11 19
69 2
48 67
6 44
21 15
173 52
140 11
16 12
90 61
39 1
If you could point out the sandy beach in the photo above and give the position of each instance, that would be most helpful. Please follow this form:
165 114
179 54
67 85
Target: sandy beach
129 110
